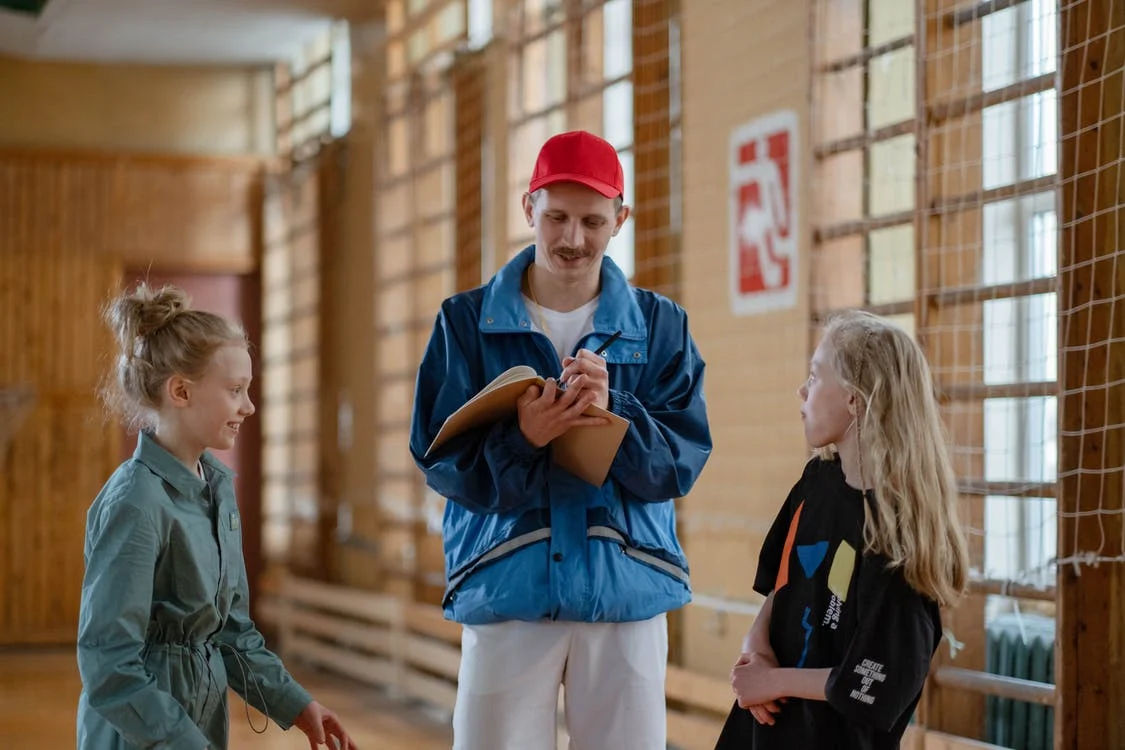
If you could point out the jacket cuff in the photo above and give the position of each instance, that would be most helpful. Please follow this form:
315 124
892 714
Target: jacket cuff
625 404
289 705
516 444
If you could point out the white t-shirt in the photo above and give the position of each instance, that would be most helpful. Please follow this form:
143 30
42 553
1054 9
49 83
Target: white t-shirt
564 329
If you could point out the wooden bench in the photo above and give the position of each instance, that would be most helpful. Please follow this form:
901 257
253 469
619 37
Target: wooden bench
414 652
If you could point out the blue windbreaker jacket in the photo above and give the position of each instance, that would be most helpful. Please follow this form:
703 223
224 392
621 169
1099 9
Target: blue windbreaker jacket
525 539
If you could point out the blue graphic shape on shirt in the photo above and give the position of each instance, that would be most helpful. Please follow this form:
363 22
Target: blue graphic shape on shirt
808 635
811 556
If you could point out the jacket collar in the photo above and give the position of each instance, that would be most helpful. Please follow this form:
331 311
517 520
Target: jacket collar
503 309
171 469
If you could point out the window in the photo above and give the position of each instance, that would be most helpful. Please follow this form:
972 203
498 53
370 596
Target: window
954 235
313 94
570 72
1019 146
864 136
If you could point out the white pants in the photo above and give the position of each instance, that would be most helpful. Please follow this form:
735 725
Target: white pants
612 675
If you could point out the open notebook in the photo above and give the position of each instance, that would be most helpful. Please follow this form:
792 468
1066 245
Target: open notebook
586 452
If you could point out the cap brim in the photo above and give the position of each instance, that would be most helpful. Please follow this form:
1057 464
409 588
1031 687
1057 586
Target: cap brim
604 188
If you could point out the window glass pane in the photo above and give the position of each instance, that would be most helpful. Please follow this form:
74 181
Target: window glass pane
418 46
1043 37
618 128
999 256
1020 239
890 172
890 88
905 322
890 265
1044 244
1020 537
621 246
1000 333
480 22
450 23
888 20
341 118
999 126
1021 340
999 47
1040 112
618 16
1020 439
592 53
544 72
1042 337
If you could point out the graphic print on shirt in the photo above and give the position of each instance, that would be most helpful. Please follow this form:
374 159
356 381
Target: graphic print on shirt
811 557
783 571
869 673
839 579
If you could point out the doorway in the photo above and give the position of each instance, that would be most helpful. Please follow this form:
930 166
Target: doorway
237 297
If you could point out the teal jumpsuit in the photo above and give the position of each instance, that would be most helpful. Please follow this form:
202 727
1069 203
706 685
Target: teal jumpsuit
164 625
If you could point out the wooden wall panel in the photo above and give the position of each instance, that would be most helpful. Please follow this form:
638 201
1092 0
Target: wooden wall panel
656 252
66 448
176 213
69 224
1091 568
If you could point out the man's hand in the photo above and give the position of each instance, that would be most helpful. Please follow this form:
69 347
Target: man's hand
322 727
545 414
596 375
748 677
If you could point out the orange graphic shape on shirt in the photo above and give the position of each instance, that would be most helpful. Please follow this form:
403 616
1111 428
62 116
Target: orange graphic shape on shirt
783 571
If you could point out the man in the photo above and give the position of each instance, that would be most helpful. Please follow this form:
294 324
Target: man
557 581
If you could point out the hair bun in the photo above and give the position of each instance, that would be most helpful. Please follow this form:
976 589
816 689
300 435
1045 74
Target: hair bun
143 312
157 309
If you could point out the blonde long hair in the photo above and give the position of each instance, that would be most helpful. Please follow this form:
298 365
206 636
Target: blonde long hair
903 454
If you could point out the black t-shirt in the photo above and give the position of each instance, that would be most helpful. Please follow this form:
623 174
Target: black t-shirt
835 607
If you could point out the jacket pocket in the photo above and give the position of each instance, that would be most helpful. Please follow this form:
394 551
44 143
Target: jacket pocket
499 552
653 558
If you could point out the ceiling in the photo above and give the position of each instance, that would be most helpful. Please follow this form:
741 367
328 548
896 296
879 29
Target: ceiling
182 32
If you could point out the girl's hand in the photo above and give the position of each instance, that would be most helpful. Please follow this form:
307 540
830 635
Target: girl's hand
322 726
751 680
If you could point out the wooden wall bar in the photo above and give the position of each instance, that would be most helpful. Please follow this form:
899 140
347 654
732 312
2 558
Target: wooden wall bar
949 251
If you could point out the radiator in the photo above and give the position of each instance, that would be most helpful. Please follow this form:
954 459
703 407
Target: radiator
1020 646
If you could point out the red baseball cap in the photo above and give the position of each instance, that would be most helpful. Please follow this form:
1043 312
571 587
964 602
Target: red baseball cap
579 157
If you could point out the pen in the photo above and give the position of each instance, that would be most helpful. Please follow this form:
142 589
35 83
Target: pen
608 343
600 352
